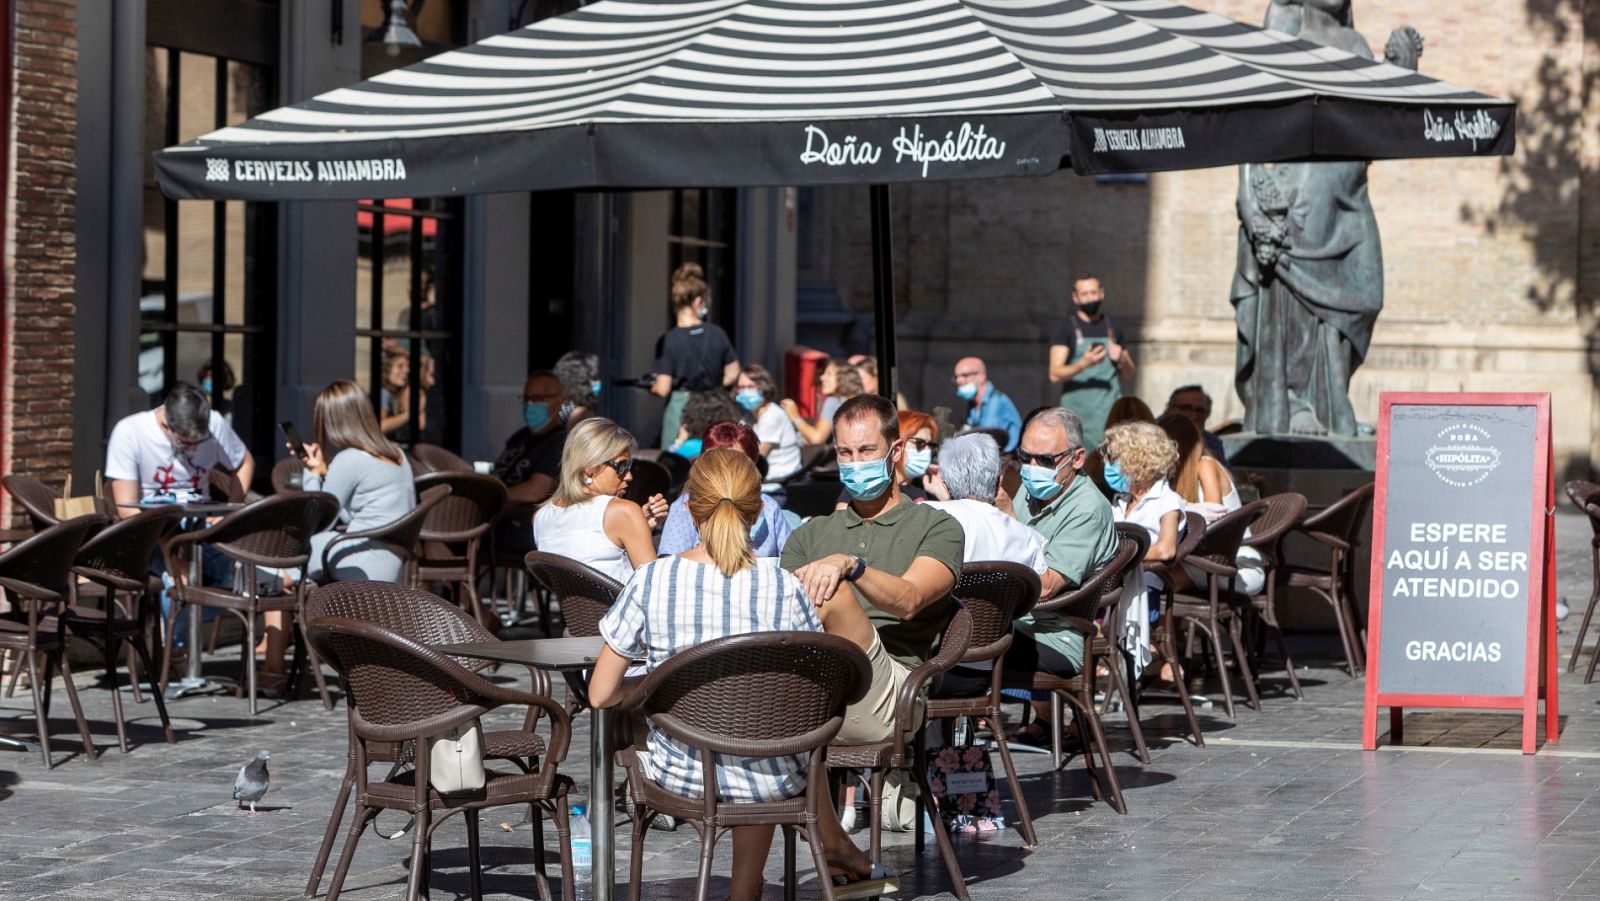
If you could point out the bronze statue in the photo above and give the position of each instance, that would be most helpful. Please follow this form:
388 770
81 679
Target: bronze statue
1309 282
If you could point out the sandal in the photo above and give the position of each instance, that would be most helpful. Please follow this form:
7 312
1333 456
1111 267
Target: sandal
882 881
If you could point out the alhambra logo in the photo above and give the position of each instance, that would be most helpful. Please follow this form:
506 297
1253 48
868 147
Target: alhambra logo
216 170
1465 455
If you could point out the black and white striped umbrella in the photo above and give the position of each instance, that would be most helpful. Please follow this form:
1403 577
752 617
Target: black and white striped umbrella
656 93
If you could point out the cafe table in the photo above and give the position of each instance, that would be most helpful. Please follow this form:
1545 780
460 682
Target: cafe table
195 515
574 659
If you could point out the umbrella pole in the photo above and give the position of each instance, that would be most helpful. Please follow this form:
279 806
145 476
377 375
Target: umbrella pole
883 291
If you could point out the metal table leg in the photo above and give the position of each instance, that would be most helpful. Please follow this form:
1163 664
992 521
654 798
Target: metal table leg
7 743
602 816
194 682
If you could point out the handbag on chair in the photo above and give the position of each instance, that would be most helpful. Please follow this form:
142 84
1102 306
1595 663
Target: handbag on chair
455 759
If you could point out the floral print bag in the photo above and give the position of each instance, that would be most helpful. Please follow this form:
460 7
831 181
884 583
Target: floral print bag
962 779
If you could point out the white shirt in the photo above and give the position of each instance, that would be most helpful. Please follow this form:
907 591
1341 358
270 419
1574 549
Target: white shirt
774 427
578 532
140 450
1157 502
992 535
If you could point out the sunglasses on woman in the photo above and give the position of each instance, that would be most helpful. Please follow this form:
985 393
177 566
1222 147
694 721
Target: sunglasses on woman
621 466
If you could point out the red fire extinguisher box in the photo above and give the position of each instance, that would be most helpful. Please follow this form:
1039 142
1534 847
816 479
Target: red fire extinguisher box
802 366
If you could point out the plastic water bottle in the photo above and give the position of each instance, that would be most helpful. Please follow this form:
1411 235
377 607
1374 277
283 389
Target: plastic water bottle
582 853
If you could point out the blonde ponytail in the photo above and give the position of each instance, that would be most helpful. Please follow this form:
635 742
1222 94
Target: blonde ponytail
724 491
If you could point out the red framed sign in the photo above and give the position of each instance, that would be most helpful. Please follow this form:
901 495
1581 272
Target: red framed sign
1463 560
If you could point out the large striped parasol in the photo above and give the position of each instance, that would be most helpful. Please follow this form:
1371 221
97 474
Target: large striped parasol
658 93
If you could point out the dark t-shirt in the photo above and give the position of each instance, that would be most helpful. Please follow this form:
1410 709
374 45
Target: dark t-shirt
527 455
1064 334
694 357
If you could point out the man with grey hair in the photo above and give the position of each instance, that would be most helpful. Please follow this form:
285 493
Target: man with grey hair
168 453
1079 532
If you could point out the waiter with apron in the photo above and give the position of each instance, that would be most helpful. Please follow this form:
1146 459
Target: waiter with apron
1087 356
694 355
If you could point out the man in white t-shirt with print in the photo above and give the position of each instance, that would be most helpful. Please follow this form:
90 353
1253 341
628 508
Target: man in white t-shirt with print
169 452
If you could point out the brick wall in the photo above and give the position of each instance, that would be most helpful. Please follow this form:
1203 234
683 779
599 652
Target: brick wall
38 387
1485 285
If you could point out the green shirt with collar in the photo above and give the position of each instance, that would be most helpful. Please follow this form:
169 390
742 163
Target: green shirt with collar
1080 536
889 542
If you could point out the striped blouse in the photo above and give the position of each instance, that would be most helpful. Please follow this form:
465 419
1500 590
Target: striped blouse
672 604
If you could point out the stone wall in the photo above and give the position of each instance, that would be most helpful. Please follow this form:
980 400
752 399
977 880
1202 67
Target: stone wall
38 390
1484 287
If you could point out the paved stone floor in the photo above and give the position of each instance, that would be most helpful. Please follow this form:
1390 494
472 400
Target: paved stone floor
1279 804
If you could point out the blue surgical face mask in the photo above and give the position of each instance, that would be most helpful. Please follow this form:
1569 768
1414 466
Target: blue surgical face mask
689 449
535 416
918 461
205 385
751 399
1040 482
1115 479
865 481
704 312
594 387
967 391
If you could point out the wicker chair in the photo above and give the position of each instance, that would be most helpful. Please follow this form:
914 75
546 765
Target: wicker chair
1337 528
274 533
717 698
35 574
398 537
1099 595
1103 645
117 561
226 487
460 520
996 593
1582 494
36 498
428 620
430 458
1266 536
1210 612
404 691
584 593
1164 635
287 475
905 750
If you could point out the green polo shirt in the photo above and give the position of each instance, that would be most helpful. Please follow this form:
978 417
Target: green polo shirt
1080 536
889 542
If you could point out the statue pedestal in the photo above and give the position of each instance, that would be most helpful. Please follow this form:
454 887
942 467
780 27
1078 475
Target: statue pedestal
1324 469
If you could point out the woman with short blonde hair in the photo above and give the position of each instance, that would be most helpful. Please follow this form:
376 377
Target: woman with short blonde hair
1138 458
587 519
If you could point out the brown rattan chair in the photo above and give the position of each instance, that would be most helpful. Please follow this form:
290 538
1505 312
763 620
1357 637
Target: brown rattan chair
402 691
36 499
905 751
1164 635
459 523
1103 643
717 698
430 458
584 594
1207 607
428 620
226 487
1098 596
287 475
996 593
1582 494
649 479
1266 536
275 534
1338 529
35 574
398 537
117 562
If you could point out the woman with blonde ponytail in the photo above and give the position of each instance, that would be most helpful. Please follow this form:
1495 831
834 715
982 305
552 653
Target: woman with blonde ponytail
718 588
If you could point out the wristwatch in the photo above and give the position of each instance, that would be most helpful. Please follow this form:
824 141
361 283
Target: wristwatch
859 570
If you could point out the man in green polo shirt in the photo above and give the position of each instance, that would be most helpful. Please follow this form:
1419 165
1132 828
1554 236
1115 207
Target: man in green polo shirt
1080 536
900 559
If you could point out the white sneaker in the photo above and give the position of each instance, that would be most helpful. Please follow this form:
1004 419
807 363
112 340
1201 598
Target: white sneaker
847 818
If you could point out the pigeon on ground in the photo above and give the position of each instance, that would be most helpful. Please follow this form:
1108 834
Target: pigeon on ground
252 782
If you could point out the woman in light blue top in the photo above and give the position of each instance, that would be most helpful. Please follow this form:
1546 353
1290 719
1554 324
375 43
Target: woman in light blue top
370 476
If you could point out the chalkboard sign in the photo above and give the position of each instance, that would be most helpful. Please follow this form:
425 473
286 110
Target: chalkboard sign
1462 575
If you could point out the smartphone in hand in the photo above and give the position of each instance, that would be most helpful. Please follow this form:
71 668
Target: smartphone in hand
295 444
